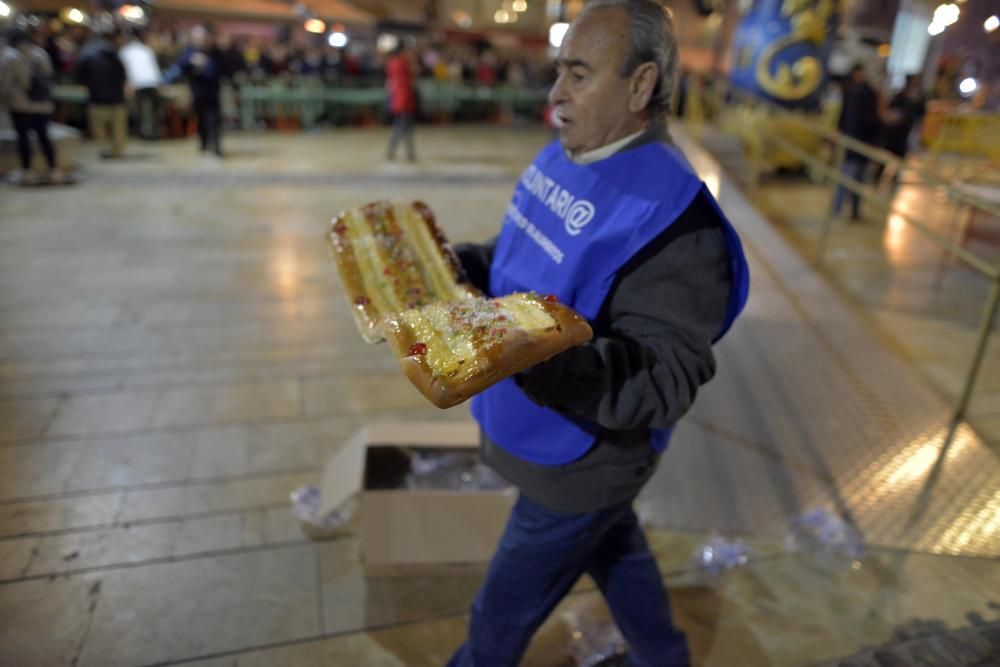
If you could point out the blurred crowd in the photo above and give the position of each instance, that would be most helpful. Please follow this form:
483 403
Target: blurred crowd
256 59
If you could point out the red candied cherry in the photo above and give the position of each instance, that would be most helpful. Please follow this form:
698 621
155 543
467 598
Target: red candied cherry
340 228
551 298
418 349
361 301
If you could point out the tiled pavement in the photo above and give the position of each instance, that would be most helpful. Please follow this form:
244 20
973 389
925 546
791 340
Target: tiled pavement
175 357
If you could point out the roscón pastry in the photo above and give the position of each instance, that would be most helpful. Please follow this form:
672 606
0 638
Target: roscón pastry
452 350
391 257
403 281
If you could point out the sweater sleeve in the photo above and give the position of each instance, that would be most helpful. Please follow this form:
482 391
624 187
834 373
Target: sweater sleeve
476 259
653 340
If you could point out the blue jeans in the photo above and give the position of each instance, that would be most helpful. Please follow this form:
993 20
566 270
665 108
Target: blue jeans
853 167
541 555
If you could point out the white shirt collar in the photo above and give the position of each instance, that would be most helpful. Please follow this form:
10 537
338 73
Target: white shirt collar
604 151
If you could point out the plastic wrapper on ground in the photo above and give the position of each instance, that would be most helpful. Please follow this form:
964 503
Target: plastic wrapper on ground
305 507
825 534
717 554
592 640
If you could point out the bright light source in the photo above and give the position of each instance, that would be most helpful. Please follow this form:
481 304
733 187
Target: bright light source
935 29
461 18
5 9
520 5
315 26
132 12
501 16
991 24
968 86
946 14
884 50
75 15
387 42
337 40
556 33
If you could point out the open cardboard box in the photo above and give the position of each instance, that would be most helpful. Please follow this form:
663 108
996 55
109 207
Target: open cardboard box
401 528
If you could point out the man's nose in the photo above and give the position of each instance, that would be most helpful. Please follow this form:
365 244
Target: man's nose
557 94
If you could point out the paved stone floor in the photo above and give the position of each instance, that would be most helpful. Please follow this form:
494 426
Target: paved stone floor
175 357
922 302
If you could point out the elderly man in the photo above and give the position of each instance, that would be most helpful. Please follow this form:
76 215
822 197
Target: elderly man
613 222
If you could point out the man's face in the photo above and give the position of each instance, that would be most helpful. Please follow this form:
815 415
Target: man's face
590 97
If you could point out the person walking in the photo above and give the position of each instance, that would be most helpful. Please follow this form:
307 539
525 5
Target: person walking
906 109
613 222
399 73
144 77
101 70
26 91
858 120
201 65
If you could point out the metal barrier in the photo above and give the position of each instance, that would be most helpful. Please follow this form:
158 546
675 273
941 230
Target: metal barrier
892 163
303 103
309 103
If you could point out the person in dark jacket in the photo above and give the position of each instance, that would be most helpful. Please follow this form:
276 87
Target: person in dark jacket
101 70
201 64
906 109
611 221
858 120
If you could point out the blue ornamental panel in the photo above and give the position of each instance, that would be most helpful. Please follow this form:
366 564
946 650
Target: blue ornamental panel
781 47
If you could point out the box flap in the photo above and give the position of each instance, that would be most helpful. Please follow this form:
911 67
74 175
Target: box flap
343 474
424 434
432 527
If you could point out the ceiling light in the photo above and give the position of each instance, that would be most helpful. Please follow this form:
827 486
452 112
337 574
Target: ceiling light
968 86
557 31
315 26
946 15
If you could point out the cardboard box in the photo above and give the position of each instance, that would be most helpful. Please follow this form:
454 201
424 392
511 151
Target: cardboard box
403 528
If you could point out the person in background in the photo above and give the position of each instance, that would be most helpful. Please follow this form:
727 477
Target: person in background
144 77
201 65
906 109
26 91
858 120
101 70
613 222
399 73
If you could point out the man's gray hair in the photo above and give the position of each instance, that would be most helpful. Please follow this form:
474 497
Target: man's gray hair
651 39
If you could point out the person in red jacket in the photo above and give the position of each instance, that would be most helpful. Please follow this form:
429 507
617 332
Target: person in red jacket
399 75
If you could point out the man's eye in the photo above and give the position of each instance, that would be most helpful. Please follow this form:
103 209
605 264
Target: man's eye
576 76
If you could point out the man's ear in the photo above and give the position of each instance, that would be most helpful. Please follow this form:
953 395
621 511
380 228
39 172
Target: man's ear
641 85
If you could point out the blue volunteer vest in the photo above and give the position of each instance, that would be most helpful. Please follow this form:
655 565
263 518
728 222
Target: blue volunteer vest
568 230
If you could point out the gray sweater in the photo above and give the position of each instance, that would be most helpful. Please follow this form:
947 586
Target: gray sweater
15 77
650 353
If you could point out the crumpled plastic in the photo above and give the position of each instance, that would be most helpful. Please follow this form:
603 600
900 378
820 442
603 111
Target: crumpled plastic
717 554
305 507
591 640
824 533
455 471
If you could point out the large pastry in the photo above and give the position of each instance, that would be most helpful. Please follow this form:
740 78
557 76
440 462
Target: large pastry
392 257
452 350
403 281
